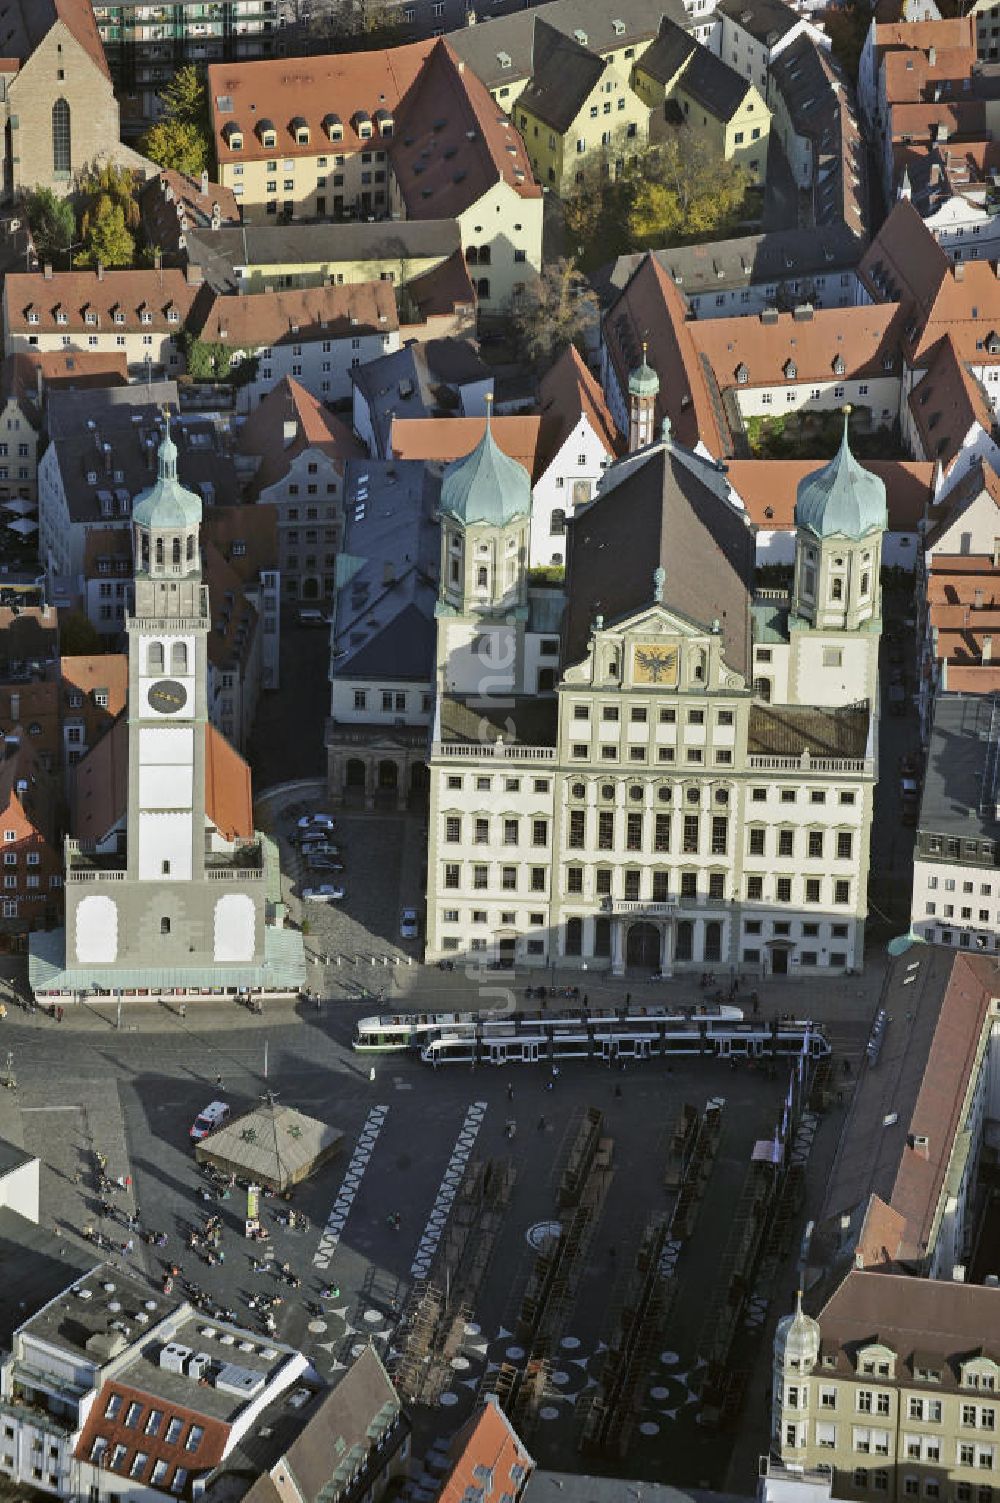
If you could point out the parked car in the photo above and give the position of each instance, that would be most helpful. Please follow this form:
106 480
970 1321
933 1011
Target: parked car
327 893
409 924
313 618
320 848
207 1121
316 821
325 864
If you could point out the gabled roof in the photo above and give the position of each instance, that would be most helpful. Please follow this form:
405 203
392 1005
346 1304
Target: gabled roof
441 440
917 1318
564 73
713 84
768 487
651 310
299 315
660 514
980 479
569 393
671 51
75 294
269 433
767 21
946 403
28 22
486 1444
97 673
174 203
245 536
863 340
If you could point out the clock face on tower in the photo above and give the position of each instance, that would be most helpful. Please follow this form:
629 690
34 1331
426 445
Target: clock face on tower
167 696
654 663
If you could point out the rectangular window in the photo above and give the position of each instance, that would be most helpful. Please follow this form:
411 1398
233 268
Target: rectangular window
756 844
539 832
661 838
453 830
480 877
451 875
816 843
574 879
841 892
720 834
577 829
786 842
633 832
755 889
689 844
511 831
481 832
605 830
783 890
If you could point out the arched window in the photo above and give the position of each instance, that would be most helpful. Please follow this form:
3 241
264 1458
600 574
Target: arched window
145 550
557 522
471 255
62 156
177 551
484 255
190 547
483 287
178 657
482 578
154 657
159 550
836 588
762 686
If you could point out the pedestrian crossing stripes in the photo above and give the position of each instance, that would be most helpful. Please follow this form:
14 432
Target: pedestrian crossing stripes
354 1174
436 1222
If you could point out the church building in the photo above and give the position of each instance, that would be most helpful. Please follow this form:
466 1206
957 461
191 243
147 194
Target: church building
169 889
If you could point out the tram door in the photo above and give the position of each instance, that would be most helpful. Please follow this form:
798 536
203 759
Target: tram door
724 1042
605 1048
498 1054
529 1053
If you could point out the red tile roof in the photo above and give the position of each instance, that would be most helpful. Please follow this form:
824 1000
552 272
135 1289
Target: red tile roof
445 439
299 314
487 1440
266 433
568 392
768 489
863 338
228 788
652 310
77 293
947 403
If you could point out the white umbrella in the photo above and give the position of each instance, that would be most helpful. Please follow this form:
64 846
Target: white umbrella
23 526
19 504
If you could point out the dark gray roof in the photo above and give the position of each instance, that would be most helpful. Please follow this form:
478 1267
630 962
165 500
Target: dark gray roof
668 53
767 20
343 1431
747 261
871 1146
568 1487
664 514
715 86
420 380
962 777
520 721
112 432
563 74
383 625
219 252
12 1157
790 730
35 1266
608 25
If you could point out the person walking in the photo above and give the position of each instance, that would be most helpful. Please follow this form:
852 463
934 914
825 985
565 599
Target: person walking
218 1081
371 1074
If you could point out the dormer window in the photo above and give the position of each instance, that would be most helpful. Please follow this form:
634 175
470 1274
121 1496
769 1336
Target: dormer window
742 374
266 133
384 122
838 366
32 316
89 316
145 317
61 316
300 130
173 316
333 125
363 125
119 316
877 1361
791 370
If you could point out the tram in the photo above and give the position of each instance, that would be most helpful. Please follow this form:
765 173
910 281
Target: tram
526 1039
393 1032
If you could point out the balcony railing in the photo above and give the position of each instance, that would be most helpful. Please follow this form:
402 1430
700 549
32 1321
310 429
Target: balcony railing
501 752
765 762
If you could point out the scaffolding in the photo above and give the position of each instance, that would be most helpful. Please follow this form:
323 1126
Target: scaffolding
701 1156
440 1306
607 1422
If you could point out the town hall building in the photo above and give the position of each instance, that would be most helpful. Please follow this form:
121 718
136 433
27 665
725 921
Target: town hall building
169 889
698 788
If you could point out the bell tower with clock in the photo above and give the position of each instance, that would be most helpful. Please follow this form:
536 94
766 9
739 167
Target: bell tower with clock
168 672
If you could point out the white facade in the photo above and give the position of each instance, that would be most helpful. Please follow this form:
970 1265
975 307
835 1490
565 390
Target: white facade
956 903
751 58
570 480
322 366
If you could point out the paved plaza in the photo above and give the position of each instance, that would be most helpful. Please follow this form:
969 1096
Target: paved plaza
86 1087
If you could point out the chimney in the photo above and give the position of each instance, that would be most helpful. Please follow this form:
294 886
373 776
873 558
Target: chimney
100 272
289 431
921 1144
461 65
216 217
47 271
987 652
932 57
204 182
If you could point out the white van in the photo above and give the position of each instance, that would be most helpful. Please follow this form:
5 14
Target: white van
313 618
210 1120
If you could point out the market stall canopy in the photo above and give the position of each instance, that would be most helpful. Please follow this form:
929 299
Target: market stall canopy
273 1145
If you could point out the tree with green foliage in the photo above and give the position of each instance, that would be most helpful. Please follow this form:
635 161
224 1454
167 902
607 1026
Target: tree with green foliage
352 26
211 360
53 223
78 637
181 138
558 310
685 191
110 215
